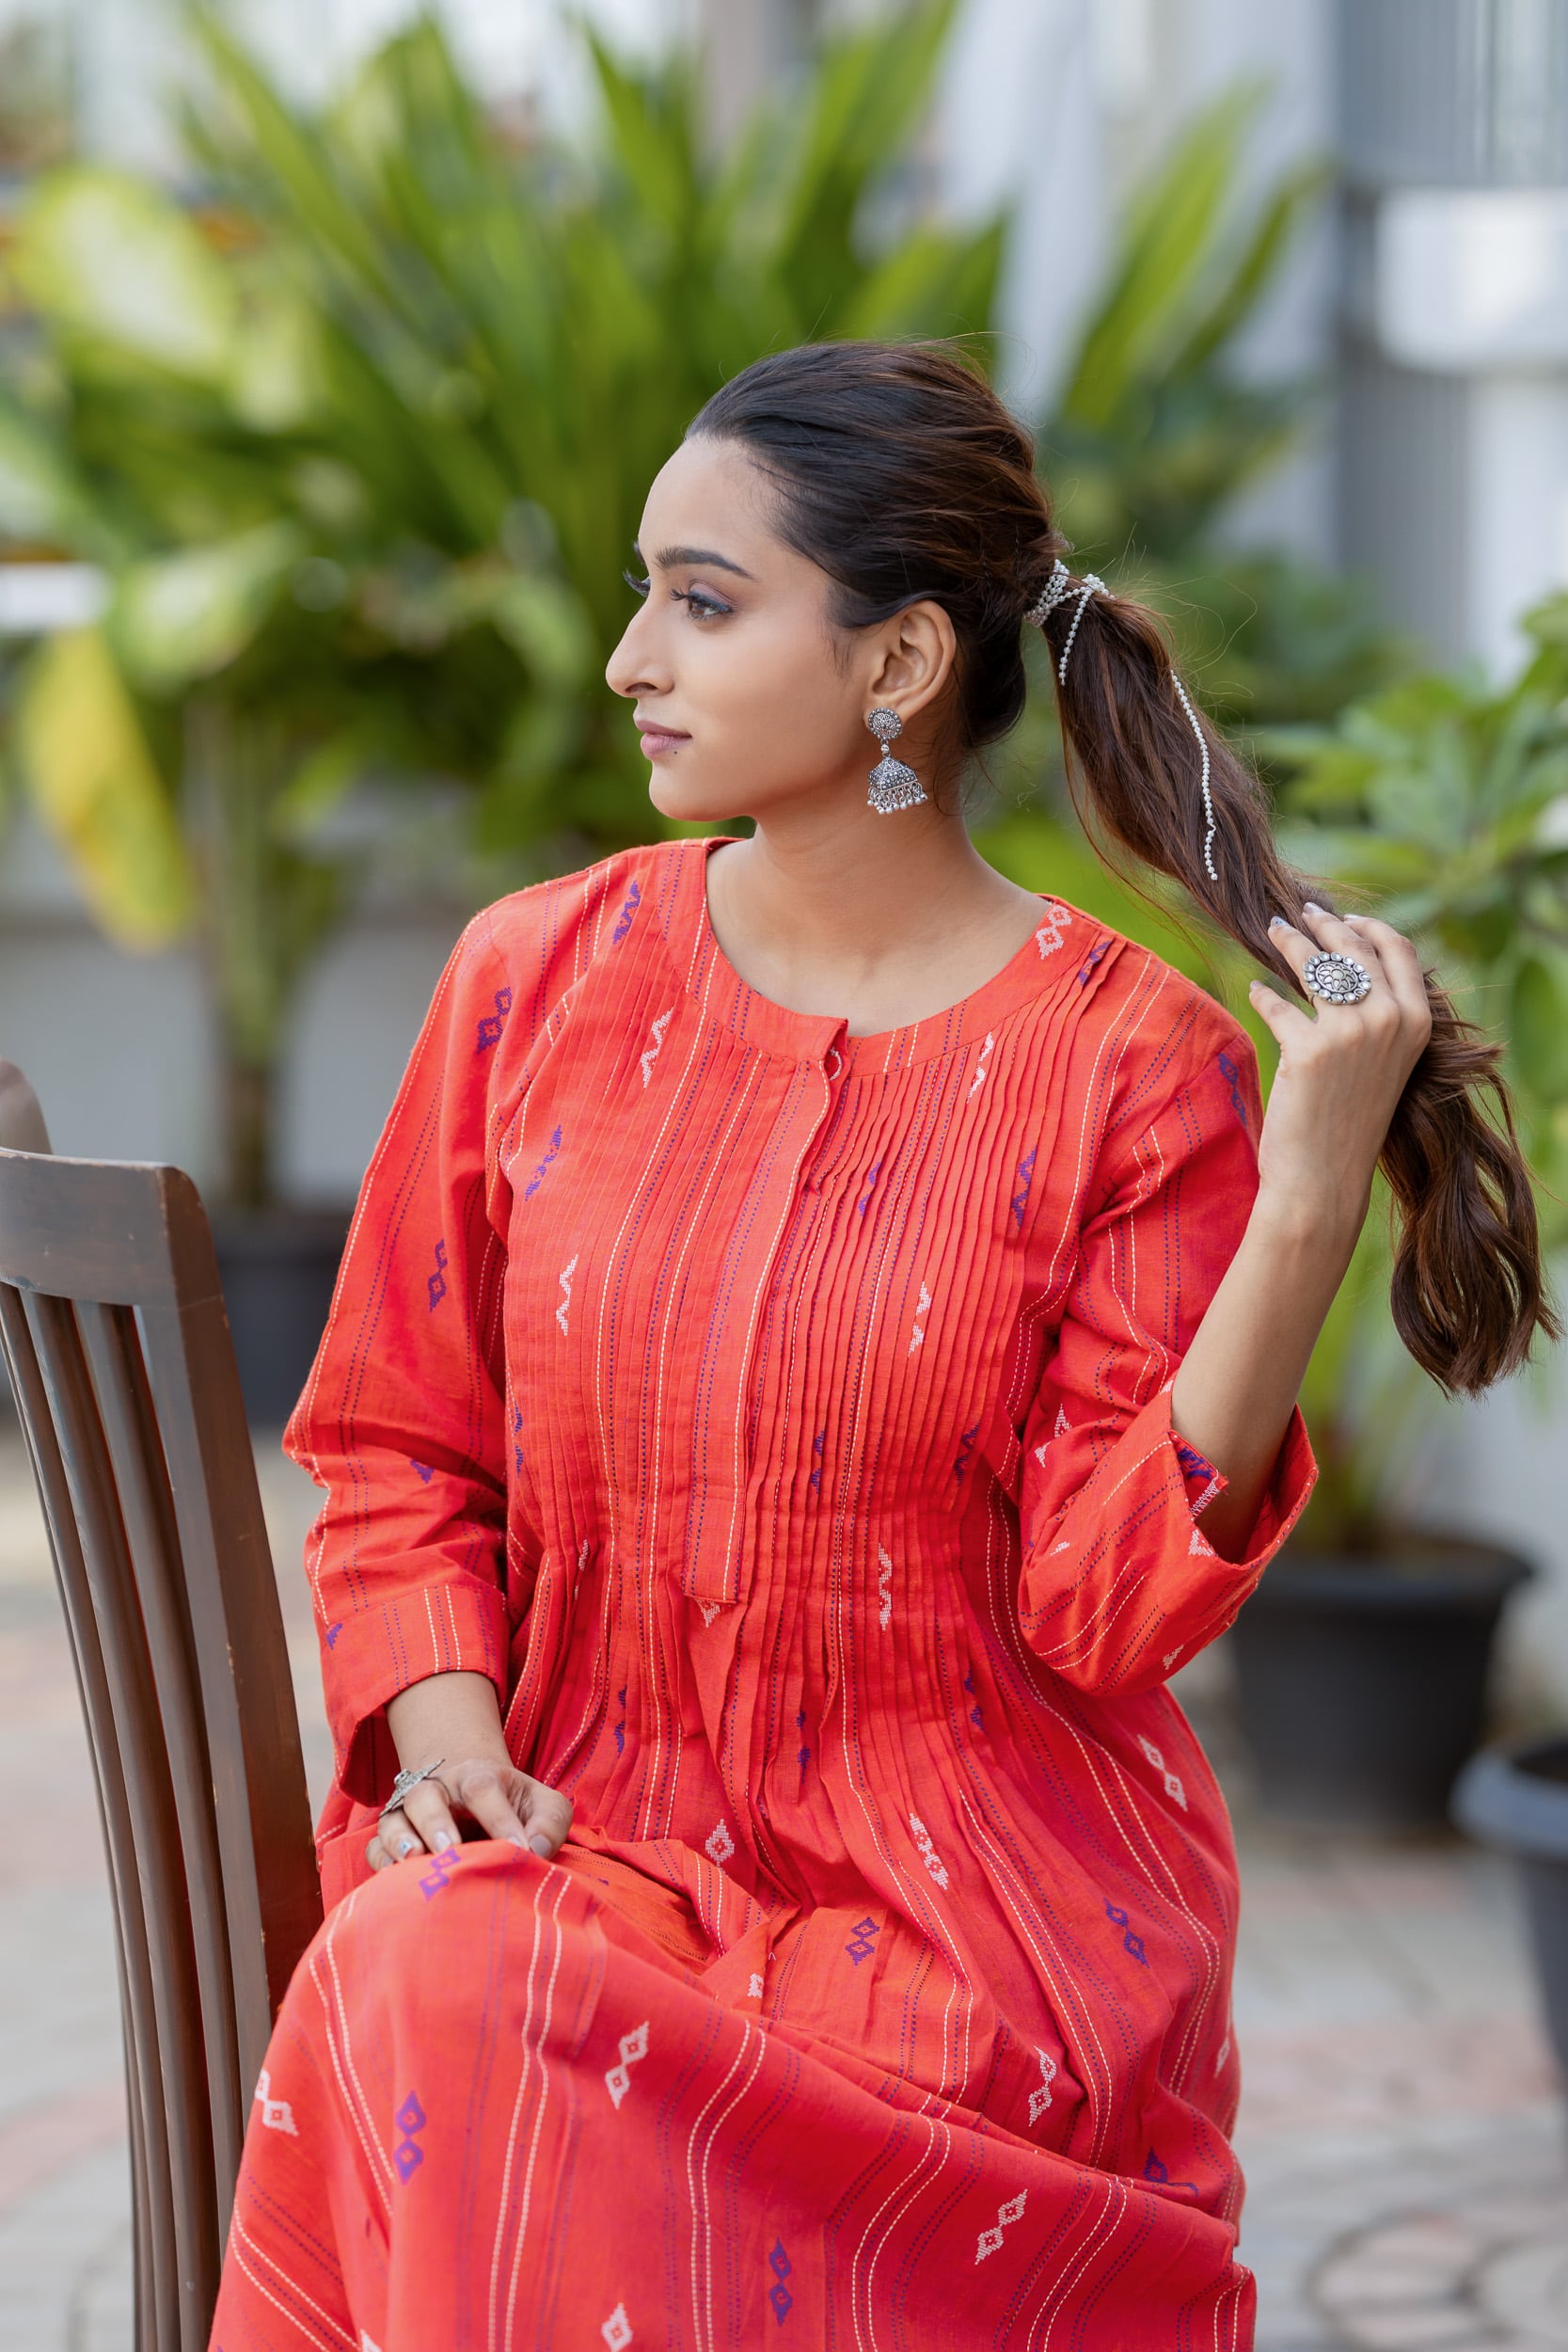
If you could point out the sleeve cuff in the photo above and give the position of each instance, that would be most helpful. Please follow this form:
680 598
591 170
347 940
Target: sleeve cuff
454 1625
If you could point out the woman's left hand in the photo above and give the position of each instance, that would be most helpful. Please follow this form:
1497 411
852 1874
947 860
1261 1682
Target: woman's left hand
1343 1069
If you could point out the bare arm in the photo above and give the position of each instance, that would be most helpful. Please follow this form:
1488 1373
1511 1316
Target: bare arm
1341 1074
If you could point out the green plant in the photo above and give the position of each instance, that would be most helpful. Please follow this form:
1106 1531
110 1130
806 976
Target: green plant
362 449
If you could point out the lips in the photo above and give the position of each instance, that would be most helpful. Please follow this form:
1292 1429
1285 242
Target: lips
655 739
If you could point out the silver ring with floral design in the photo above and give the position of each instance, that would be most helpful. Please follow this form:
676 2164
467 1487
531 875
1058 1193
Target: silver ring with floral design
1337 979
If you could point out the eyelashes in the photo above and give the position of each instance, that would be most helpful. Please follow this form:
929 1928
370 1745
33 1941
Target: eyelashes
702 608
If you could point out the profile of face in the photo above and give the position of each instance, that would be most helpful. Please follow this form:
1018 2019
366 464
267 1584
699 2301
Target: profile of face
747 700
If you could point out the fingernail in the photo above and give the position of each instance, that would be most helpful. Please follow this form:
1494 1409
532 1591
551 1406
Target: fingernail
1312 907
541 1846
443 1837
513 1839
1277 922
406 1846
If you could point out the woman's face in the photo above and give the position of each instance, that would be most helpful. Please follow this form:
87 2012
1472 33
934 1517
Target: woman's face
746 698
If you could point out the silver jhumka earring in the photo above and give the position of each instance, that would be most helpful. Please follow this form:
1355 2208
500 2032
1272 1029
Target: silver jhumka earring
893 785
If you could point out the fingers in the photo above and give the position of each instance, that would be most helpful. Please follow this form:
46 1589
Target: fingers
484 1792
1287 1021
505 1804
548 1816
1400 964
394 1840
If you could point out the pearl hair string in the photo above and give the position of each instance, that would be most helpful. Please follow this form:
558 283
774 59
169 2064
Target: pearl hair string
1057 589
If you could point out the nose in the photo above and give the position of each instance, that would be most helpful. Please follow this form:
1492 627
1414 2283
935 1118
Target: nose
636 666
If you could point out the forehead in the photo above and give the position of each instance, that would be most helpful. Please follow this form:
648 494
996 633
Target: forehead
709 494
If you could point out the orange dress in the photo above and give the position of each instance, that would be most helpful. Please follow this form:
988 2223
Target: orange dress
781 1420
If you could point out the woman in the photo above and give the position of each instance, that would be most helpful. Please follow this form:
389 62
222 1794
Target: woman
818 1348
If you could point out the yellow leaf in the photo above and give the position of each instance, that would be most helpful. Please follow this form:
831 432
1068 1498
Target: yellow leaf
90 775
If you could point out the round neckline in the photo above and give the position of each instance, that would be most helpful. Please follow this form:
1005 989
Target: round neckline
1049 954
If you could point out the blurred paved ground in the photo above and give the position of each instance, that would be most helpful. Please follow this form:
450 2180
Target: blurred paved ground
1401 2129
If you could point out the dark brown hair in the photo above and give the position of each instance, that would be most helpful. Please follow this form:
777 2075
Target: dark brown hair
901 473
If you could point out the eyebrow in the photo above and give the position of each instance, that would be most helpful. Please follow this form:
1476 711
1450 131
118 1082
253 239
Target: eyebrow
673 559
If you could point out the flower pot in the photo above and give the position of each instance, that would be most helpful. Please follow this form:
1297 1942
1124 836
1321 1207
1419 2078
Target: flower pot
278 1267
1517 1799
1362 1680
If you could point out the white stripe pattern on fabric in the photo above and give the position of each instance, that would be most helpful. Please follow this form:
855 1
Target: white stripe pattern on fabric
923 1307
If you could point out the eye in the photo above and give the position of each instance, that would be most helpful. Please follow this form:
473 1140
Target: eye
641 586
702 607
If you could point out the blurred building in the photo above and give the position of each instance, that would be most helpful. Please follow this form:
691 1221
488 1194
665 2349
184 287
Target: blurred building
1434 308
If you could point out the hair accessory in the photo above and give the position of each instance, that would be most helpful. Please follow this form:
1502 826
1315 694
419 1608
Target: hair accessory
404 1783
893 785
1203 777
1056 590
1337 979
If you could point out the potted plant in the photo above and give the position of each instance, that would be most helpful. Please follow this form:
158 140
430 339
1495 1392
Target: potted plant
1517 1799
359 445
1362 1660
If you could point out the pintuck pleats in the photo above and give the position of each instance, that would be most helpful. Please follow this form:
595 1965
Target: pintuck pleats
781 1420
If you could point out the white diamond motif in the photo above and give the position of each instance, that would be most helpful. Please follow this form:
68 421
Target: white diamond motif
616 2330
922 1309
928 1852
565 1278
276 2114
634 2046
720 1845
990 2240
884 1590
1039 2098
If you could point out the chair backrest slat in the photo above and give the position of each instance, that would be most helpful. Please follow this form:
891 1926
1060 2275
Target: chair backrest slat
113 1327
113 1355
138 1734
156 2290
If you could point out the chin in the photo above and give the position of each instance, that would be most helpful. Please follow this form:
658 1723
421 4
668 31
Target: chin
685 802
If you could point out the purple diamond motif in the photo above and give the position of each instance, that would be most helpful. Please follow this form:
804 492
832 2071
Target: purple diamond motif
411 2117
494 1022
421 1471
861 1947
437 1283
442 1865
966 1447
778 2294
332 1633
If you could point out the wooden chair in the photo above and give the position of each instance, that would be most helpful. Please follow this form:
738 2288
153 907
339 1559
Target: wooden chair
114 1335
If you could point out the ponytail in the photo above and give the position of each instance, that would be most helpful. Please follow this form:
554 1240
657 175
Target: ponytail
1468 1293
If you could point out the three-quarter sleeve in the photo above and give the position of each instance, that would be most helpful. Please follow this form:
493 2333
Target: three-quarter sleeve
1118 1587
403 1419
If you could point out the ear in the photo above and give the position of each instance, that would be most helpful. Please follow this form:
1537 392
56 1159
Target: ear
912 658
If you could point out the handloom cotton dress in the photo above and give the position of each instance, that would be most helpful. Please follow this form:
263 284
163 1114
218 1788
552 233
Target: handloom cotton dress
781 1420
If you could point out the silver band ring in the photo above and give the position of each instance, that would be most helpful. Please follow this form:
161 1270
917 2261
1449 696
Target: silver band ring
403 1782
1337 979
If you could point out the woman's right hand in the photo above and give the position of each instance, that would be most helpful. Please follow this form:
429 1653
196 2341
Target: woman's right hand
505 1803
